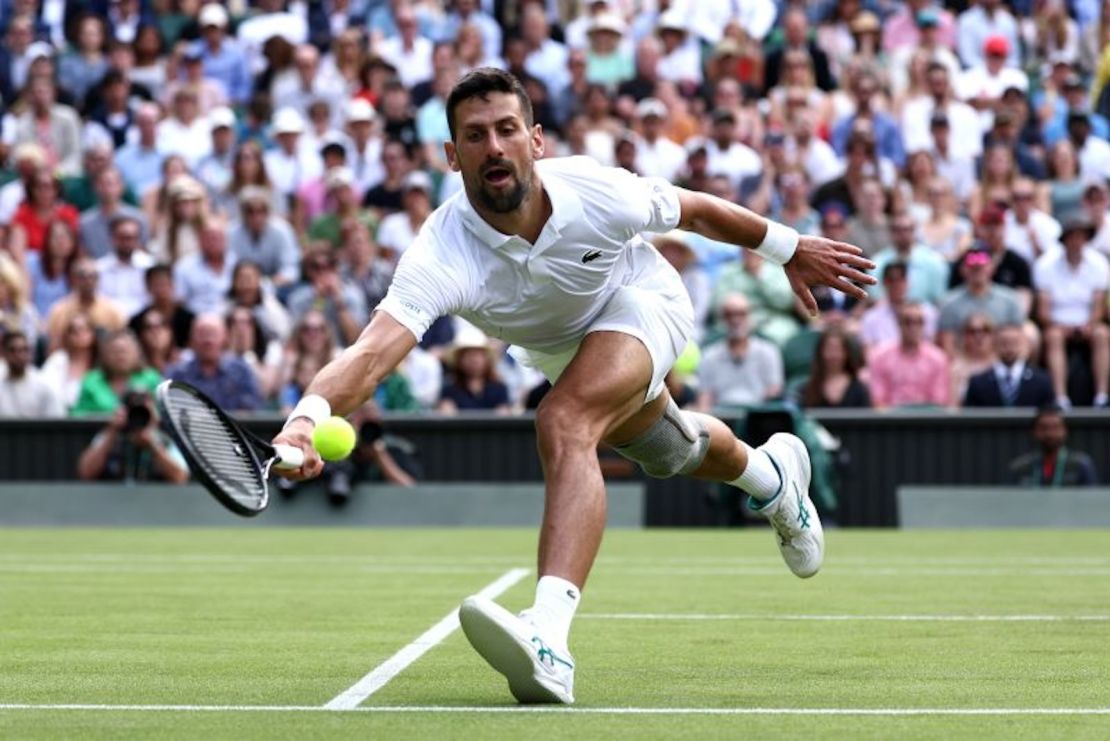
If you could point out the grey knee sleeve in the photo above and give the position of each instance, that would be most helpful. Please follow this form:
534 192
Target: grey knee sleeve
676 443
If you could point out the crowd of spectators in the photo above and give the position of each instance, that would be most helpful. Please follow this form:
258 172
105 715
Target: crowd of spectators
220 193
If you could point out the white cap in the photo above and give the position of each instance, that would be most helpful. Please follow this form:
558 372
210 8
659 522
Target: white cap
339 176
359 109
651 107
221 117
607 21
673 20
40 49
287 121
417 180
212 14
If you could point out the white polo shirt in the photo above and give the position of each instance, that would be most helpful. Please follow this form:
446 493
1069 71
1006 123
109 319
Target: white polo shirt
1071 291
544 296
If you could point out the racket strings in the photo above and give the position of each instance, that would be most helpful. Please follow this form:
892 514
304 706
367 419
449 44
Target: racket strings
217 447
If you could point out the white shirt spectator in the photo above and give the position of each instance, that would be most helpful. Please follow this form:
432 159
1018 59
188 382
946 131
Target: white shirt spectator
125 282
662 158
818 159
1094 159
414 66
959 171
289 172
916 133
366 165
549 64
1044 227
682 65
738 381
191 141
29 397
1071 291
709 19
739 161
254 32
396 232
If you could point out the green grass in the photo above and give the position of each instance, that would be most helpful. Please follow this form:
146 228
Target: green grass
294 617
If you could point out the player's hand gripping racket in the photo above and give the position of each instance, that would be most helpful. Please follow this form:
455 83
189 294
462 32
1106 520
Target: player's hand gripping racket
230 462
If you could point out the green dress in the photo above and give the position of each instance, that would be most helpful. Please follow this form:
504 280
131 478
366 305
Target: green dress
97 396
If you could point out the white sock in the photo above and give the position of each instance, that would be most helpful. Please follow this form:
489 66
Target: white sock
1100 400
760 478
556 601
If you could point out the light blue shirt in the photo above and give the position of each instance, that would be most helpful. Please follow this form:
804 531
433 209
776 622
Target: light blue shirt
974 27
431 122
927 273
141 168
229 66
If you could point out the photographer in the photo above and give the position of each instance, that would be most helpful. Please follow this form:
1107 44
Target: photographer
132 448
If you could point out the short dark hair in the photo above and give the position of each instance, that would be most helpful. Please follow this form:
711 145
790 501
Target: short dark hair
479 84
1051 409
11 335
155 270
122 219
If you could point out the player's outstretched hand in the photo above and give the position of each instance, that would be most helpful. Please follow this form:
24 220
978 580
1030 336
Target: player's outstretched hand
823 262
298 433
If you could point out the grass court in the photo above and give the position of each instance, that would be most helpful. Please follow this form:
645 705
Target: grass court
682 634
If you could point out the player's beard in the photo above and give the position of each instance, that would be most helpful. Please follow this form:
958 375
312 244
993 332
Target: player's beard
504 201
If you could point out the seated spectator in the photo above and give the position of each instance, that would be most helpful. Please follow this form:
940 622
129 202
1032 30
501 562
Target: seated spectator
982 84
868 100
834 377
24 390
861 164
42 205
247 170
323 289
978 295
181 220
678 252
796 36
66 367
385 196
96 222
247 341
767 292
342 206
398 230
1065 186
656 154
879 324
214 171
996 182
944 231
1054 464
140 161
119 368
132 447
367 265
1072 287
311 336
1029 232
1096 200
910 372
741 369
224 378
163 299
974 353
123 270
1008 268
264 239
1092 151
16 310
47 121
1009 381
607 60
474 384
249 290
156 341
83 298
203 279
304 370
928 272
957 169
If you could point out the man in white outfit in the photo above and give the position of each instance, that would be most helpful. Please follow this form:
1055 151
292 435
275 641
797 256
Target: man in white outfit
546 254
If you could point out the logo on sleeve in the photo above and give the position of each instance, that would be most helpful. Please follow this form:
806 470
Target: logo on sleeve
591 256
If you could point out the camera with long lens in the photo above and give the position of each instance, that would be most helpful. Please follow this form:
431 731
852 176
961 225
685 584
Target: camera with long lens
137 404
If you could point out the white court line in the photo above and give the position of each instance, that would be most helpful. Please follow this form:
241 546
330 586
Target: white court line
559 710
847 618
398 662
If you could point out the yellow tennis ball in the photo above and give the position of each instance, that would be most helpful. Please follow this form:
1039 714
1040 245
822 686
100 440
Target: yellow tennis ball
334 439
687 363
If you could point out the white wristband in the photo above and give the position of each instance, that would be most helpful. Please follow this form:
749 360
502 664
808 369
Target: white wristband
316 408
779 243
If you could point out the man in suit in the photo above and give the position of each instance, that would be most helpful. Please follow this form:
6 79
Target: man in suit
1009 382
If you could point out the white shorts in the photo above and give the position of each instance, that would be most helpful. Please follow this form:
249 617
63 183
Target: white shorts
655 309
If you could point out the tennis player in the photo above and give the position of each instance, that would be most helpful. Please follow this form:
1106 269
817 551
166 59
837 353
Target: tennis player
546 254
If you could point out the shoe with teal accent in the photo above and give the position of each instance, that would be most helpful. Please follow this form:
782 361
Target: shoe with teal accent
791 512
537 672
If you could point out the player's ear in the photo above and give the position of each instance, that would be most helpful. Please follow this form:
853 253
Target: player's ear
538 145
451 153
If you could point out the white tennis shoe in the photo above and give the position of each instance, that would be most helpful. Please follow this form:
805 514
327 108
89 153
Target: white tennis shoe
513 646
791 512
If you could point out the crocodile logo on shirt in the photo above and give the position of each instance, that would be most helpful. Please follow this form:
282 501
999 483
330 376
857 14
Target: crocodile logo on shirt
591 256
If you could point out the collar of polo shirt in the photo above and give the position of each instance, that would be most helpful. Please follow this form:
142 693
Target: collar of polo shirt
566 208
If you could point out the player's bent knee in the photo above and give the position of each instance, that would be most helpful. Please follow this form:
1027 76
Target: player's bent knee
676 444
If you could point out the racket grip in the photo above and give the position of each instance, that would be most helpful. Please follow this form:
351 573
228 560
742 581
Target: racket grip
288 456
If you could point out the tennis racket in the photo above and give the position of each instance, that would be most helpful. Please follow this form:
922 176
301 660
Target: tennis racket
230 462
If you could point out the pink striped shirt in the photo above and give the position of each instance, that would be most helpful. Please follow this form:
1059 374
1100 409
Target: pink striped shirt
901 378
